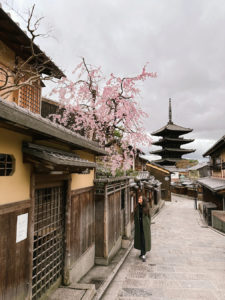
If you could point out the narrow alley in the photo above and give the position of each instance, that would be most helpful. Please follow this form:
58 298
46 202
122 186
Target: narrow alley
187 260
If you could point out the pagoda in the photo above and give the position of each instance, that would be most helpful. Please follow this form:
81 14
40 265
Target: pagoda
171 142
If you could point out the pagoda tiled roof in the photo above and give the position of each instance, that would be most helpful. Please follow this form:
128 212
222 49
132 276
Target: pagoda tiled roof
171 127
172 150
175 140
167 161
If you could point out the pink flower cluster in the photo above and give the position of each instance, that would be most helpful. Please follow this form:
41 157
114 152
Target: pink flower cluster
105 110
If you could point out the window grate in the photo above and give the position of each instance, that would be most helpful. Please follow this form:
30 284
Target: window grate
29 97
48 239
6 164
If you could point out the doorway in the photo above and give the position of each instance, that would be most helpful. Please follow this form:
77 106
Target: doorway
48 245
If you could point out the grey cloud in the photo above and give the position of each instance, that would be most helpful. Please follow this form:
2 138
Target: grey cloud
183 40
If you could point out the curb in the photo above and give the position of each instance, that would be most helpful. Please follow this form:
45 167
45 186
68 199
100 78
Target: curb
220 232
160 209
210 227
183 196
105 285
89 289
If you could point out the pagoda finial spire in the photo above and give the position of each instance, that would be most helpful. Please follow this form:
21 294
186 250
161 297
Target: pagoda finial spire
170 112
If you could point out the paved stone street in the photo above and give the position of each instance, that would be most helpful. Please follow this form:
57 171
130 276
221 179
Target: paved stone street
187 260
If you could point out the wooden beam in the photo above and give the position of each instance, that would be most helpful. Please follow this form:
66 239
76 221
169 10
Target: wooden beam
67 262
12 207
31 232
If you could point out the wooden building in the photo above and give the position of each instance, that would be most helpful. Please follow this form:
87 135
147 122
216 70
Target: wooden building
214 185
115 202
164 176
15 49
47 215
140 161
48 107
151 188
113 211
198 171
171 142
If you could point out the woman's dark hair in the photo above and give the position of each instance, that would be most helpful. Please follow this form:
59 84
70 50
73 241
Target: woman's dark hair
145 205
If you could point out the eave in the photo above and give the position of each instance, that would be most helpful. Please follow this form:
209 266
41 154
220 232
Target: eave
220 143
174 140
157 167
51 159
172 150
21 120
167 161
171 128
216 185
18 41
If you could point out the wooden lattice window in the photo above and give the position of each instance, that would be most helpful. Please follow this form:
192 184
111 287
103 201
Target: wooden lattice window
48 247
6 164
29 97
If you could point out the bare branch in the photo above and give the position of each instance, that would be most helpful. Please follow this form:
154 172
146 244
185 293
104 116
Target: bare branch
32 69
5 74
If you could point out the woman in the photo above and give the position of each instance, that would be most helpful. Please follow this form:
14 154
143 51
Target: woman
142 234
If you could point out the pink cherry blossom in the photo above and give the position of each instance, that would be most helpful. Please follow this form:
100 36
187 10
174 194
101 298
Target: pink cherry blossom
105 110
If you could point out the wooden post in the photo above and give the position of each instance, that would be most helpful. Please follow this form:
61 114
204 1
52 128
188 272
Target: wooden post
106 231
31 233
66 271
127 206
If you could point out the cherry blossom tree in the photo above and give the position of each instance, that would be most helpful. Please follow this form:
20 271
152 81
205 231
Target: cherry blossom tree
105 110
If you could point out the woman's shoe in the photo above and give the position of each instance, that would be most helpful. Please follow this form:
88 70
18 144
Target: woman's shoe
143 257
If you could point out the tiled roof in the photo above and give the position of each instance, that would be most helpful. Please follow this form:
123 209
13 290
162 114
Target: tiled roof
175 169
163 160
172 150
172 127
26 120
56 156
176 140
152 163
16 39
212 183
216 146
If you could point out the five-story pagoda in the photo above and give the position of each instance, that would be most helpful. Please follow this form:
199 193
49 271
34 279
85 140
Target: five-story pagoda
171 141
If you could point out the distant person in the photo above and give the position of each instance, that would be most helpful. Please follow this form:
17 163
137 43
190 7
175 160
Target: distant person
142 233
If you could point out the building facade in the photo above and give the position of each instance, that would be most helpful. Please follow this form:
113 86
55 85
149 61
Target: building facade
214 185
47 209
164 176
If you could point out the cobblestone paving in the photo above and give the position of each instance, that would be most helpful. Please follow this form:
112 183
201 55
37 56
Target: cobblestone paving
187 260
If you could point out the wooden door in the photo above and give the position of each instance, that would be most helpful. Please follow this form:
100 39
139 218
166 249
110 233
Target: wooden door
48 247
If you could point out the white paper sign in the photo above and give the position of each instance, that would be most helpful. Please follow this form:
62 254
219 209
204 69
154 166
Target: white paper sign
132 204
21 229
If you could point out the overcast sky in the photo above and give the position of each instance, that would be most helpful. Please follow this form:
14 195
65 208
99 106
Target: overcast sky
184 42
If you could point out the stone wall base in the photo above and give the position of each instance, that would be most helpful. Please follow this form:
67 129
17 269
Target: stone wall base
83 265
106 260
